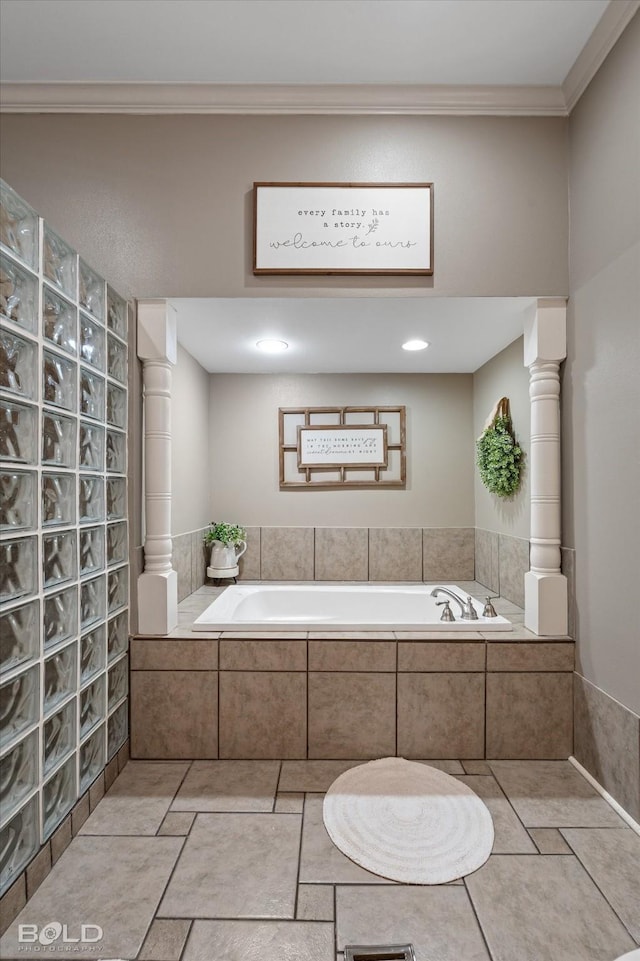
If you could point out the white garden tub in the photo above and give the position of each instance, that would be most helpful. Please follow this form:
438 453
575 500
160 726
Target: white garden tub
326 607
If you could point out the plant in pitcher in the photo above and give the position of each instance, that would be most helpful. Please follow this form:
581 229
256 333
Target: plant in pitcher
228 544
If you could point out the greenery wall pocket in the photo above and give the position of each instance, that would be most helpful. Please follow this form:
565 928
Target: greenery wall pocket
499 456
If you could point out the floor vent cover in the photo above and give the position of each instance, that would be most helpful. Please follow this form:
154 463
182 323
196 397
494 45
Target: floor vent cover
379 952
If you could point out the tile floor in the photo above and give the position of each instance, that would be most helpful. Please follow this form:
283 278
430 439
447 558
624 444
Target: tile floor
230 861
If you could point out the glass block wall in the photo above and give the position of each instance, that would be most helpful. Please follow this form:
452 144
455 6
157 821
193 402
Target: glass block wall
63 527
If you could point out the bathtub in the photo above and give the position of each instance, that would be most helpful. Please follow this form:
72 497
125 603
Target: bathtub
325 607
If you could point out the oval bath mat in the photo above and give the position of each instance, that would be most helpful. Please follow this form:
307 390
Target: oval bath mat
408 821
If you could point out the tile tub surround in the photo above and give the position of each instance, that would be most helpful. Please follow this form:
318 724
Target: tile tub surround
304 695
239 867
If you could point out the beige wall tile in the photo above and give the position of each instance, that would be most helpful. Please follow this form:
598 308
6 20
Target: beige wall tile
199 559
170 655
530 657
286 553
514 563
38 870
441 715
395 554
352 715
263 655
436 656
486 559
263 715
529 715
327 655
12 902
341 553
174 714
448 553
181 561
568 566
250 561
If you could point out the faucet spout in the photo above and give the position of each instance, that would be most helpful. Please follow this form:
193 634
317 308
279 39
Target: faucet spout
468 610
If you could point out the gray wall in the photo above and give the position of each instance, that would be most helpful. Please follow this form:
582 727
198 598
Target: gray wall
244 458
162 205
503 376
190 443
601 382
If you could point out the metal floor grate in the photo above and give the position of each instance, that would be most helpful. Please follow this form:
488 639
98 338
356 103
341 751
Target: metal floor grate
379 952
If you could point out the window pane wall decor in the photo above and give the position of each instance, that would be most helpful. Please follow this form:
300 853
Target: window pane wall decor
64 575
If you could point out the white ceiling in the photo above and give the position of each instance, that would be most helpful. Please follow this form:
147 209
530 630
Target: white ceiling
510 42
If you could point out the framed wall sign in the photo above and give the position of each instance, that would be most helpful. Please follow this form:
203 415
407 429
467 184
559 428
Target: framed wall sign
343 228
333 447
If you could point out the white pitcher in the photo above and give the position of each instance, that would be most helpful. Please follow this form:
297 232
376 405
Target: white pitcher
226 556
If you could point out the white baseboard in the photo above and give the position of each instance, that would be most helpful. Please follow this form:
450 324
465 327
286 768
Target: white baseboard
626 817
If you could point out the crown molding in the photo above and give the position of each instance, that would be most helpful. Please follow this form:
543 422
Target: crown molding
205 98
607 32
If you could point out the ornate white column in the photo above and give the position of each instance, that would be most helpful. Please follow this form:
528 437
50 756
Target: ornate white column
158 585
545 588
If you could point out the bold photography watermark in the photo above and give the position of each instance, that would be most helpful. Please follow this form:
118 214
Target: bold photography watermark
55 936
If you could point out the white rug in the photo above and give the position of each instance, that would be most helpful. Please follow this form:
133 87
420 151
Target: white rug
408 822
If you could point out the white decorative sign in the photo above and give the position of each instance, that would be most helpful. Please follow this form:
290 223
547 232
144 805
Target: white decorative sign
343 228
340 446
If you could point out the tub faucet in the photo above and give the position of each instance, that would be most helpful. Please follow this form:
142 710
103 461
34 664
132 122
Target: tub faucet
467 608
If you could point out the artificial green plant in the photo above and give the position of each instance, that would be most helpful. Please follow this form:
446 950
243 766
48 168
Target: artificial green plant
499 457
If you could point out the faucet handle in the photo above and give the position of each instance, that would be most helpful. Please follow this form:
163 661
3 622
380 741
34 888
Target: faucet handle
489 610
447 614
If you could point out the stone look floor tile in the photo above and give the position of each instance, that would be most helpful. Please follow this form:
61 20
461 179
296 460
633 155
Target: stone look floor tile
312 775
260 941
612 858
177 823
291 803
549 841
138 800
112 882
236 866
552 794
510 836
320 860
544 908
438 921
476 767
228 786
165 940
315 902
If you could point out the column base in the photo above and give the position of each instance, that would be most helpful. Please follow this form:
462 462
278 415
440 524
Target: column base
157 602
545 603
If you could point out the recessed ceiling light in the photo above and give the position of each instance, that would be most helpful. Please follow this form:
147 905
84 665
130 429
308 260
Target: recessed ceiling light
272 346
415 345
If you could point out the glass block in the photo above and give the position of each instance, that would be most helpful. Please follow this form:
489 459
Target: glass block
116 543
18 295
18 365
91 295
117 635
58 381
116 313
18 502
18 432
92 342
118 682
116 406
60 616
59 736
59 321
91 446
116 452
118 589
18 226
116 359
58 440
58 499
92 759
91 499
20 704
91 394
18 568
58 796
92 601
18 774
116 498
117 729
60 263
91 550
60 676
93 653
19 636
92 705
59 558
19 841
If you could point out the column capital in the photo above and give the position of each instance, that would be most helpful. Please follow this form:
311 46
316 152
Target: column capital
157 331
545 331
